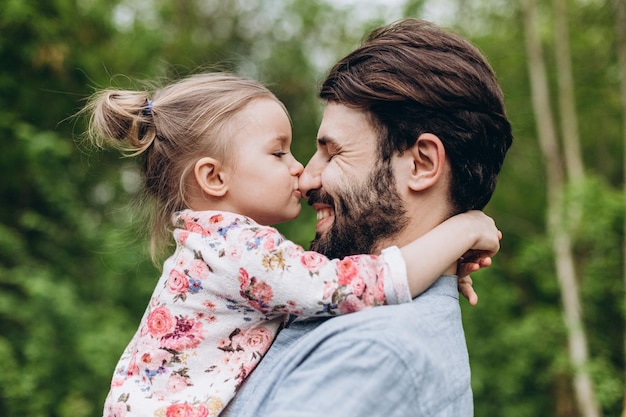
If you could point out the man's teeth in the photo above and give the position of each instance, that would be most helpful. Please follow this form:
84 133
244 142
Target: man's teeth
323 213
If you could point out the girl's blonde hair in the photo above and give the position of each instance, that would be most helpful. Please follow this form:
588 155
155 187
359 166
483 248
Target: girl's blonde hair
181 123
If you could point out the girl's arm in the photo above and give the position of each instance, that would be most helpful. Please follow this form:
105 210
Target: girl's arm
362 281
472 235
256 265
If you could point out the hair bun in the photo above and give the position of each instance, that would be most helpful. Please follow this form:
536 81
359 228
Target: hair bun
123 120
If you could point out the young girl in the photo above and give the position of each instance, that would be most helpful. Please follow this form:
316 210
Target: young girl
216 160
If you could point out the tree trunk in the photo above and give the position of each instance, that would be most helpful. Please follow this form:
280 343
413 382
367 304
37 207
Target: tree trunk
557 232
620 22
567 101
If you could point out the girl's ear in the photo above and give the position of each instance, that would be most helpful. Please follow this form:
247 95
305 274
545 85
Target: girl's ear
209 176
429 161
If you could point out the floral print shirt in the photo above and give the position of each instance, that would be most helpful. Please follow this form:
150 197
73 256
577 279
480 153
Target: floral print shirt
218 305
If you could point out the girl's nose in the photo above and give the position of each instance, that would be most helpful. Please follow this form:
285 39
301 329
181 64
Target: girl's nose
296 168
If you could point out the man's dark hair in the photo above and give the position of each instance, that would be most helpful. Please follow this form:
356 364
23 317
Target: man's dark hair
413 77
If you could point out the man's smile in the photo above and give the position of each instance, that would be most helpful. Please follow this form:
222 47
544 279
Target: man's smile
325 216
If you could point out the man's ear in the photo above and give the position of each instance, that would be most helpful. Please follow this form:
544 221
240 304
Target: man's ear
210 177
429 161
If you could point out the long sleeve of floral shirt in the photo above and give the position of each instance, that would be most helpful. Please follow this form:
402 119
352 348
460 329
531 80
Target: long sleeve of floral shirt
219 303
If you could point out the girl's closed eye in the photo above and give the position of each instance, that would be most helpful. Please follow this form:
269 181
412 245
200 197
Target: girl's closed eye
279 154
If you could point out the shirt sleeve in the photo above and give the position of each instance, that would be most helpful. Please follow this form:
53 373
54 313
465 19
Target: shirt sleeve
260 267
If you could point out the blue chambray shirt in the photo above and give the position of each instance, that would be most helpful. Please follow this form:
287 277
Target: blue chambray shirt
393 361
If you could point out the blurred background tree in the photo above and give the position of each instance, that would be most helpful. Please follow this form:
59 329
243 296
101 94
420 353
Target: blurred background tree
75 275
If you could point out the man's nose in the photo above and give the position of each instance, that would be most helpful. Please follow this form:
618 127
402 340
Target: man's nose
311 178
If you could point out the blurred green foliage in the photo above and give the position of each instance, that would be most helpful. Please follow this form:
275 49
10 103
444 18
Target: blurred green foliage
74 271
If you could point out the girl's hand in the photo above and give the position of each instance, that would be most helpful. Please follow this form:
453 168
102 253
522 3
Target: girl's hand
472 262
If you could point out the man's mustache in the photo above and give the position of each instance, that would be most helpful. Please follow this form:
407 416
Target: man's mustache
319 196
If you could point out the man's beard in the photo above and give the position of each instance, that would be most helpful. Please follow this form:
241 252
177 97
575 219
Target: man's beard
364 214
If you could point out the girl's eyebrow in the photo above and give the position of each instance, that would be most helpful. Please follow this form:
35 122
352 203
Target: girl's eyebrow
281 140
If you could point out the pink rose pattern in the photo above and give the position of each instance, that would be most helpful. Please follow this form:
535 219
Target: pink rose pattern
217 307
